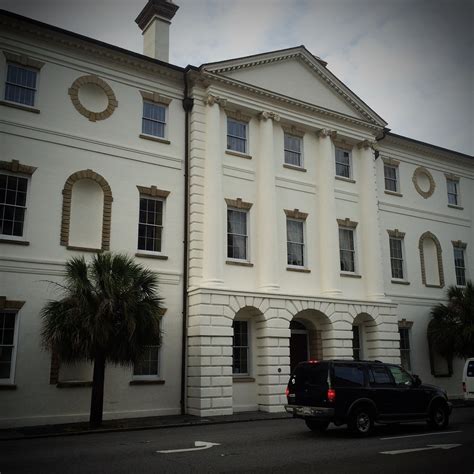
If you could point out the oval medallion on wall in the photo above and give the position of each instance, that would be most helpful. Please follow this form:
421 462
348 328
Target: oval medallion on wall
93 98
424 182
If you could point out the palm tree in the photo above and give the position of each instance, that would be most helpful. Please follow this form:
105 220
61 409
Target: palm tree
451 329
108 313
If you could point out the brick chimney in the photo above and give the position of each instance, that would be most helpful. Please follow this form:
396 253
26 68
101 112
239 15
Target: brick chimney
154 21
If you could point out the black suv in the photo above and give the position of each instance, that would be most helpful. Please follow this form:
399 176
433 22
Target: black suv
360 393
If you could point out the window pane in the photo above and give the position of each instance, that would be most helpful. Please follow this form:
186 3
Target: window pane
150 225
236 136
348 375
7 332
390 174
343 161
396 258
20 86
149 364
356 342
240 348
294 231
380 376
12 204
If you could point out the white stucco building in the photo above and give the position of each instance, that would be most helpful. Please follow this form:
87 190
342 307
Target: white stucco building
311 231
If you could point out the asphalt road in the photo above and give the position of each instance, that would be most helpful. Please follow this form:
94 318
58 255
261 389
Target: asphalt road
263 446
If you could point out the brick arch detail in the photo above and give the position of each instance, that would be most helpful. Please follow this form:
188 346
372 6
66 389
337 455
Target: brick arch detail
439 256
67 199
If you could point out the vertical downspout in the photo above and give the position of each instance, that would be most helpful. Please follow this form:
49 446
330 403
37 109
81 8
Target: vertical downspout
187 106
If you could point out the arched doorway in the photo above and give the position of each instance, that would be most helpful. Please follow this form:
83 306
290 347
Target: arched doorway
299 344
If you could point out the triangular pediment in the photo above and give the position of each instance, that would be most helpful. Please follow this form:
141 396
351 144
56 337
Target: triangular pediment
297 74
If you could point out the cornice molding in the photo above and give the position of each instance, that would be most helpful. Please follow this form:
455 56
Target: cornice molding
390 161
347 223
459 244
23 60
10 304
292 130
153 191
296 214
155 97
396 233
16 167
239 204
237 115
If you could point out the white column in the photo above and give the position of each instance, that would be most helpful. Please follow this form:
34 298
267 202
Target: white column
327 224
370 226
267 224
214 230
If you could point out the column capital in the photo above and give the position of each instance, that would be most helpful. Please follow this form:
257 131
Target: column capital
266 115
325 132
368 144
214 99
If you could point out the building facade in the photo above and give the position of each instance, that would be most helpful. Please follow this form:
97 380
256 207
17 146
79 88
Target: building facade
311 231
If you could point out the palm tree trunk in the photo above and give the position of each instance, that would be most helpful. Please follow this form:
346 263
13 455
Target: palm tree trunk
97 398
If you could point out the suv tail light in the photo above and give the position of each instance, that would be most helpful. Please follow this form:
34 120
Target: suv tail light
464 387
287 391
331 395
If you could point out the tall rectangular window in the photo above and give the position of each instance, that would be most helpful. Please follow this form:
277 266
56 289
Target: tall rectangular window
7 345
356 346
240 348
154 119
236 135
391 178
346 249
405 348
295 242
453 191
237 234
150 225
13 191
343 163
460 266
396 257
20 86
293 150
149 366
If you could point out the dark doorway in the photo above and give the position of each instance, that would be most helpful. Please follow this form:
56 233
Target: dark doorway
298 343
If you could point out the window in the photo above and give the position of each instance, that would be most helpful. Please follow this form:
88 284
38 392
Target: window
378 375
7 345
236 135
154 119
356 342
20 86
460 266
346 250
295 242
150 225
293 150
396 257
237 234
13 191
240 348
343 163
348 375
400 376
149 366
453 191
391 177
405 347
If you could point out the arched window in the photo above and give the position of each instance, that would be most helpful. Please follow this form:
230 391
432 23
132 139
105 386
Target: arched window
431 261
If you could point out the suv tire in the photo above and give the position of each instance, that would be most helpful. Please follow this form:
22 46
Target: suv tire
439 416
317 426
361 421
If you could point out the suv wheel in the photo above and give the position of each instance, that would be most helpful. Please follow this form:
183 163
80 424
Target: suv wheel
318 426
361 421
439 416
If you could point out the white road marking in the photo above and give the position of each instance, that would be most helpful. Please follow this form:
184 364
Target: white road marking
199 446
422 434
430 446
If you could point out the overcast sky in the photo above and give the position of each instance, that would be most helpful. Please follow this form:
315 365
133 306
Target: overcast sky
411 61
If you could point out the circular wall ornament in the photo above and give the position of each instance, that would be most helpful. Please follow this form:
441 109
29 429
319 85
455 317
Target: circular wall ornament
93 97
424 182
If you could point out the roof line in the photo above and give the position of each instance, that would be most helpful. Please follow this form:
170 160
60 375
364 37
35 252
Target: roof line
92 40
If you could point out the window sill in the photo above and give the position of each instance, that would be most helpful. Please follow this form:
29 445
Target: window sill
393 193
454 206
155 139
7 386
294 167
350 275
240 264
83 249
347 180
236 153
244 379
14 105
433 286
74 384
400 282
150 255
300 270
14 242
147 382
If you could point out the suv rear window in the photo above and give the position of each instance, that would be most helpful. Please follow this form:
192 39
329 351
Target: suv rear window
348 375
470 369
313 374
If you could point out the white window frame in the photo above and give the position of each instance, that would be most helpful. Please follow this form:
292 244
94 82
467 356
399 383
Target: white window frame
247 241
22 238
464 253
163 227
4 91
248 346
11 379
397 178
458 194
242 122
156 376
351 170
354 239
156 104
402 248
301 153
305 260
